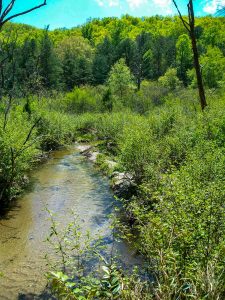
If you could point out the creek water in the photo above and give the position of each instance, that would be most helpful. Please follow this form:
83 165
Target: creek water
67 181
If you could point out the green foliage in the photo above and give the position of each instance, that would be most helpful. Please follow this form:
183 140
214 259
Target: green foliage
120 80
85 99
141 63
72 277
23 134
170 79
48 67
111 285
213 67
103 61
212 63
137 148
76 59
18 147
176 156
62 59
173 153
184 232
183 57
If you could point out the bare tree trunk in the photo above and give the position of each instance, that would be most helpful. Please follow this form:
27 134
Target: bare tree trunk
190 26
198 73
139 83
196 55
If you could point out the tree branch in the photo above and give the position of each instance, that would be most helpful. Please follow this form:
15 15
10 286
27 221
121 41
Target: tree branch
7 110
191 14
30 132
1 7
24 145
9 8
185 23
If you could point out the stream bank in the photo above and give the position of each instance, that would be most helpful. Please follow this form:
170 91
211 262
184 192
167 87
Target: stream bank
122 183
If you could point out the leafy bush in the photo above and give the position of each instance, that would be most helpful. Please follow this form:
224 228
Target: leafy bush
170 79
18 148
85 99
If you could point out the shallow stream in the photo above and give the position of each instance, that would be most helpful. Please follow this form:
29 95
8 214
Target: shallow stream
67 181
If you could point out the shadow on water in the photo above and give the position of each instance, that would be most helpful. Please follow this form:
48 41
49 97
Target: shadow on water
46 295
7 209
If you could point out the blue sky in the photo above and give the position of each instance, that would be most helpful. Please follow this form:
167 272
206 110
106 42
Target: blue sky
69 13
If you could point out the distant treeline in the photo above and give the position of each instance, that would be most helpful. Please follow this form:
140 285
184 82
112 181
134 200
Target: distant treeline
33 60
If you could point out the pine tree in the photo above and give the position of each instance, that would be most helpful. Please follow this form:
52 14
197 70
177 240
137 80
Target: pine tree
142 59
103 61
49 65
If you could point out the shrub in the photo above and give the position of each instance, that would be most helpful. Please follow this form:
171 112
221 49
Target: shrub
18 148
170 79
84 99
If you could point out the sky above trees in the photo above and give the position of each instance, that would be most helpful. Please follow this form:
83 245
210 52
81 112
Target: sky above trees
69 13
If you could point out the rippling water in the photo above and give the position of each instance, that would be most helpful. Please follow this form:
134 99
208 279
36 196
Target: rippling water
66 181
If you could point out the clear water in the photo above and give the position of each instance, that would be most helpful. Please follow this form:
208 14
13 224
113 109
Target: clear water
66 181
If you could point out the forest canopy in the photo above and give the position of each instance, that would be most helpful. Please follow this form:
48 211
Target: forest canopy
64 58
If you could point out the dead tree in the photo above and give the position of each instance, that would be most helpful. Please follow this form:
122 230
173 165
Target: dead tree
190 27
5 12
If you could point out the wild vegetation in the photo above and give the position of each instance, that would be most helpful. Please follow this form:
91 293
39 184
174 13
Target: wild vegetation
128 86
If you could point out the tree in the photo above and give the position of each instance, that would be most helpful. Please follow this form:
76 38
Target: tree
87 32
126 50
103 61
170 79
5 12
190 27
49 65
213 67
28 75
183 57
163 54
117 32
120 79
8 64
142 59
76 57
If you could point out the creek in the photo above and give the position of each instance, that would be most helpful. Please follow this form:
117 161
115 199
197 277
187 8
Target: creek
67 181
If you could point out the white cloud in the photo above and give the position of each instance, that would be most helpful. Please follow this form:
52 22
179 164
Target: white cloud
100 2
165 5
212 6
109 3
136 3
114 2
132 3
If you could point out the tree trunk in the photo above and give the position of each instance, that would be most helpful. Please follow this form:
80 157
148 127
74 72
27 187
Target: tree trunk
196 56
198 74
138 83
190 26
